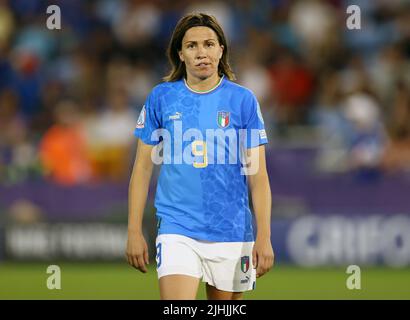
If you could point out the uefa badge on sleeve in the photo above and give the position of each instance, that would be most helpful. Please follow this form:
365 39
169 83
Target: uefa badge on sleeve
245 264
141 118
223 119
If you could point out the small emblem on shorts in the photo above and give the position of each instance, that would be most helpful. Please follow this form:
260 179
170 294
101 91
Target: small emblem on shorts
159 255
223 119
245 264
246 280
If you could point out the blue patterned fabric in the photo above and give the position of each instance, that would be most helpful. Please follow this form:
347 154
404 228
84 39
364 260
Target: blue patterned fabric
201 192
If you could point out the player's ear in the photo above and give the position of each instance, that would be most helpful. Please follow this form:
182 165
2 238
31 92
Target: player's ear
222 51
181 57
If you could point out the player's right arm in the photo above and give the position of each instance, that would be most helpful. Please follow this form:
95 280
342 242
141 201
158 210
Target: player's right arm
137 249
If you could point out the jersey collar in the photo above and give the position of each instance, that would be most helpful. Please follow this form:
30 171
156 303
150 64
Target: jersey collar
203 92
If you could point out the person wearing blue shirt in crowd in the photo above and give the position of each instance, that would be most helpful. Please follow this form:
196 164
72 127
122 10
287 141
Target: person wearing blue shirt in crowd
207 133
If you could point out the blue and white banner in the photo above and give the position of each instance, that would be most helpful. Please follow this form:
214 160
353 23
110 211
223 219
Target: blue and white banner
318 240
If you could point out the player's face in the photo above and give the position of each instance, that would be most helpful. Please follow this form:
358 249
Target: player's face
201 52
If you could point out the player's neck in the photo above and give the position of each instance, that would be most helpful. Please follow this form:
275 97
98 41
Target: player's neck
203 85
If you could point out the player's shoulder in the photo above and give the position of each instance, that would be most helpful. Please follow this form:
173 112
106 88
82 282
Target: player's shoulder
164 88
240 90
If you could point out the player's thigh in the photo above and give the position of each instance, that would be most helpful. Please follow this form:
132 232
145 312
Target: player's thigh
228 268
213 293
178 266
178 287
176 254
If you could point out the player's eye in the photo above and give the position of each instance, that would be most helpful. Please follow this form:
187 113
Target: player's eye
210 44
190 46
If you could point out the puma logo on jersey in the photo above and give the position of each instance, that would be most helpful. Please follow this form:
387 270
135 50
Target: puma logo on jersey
176 116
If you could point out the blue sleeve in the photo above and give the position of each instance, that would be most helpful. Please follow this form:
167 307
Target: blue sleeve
148 123
255 128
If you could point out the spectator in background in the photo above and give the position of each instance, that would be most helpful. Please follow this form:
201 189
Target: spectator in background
331 124
18 160
26 80
366 134
62 149
140 83
7 24
351 128
255 76
315 22
389 67
220 10
109 138
396 157
135 25
12 123
292 88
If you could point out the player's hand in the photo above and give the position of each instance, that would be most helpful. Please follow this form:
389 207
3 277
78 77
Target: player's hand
137 251
262 256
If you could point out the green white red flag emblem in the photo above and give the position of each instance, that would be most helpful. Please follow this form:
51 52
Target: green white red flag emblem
245 264
223 118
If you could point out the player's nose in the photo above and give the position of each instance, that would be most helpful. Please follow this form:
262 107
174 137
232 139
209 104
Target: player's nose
201 53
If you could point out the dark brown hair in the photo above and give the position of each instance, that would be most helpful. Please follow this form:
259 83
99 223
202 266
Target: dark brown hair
184 24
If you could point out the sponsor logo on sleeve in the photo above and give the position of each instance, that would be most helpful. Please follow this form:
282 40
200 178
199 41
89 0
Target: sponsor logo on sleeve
262 134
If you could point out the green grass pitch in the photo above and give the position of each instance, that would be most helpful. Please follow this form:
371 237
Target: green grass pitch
120 281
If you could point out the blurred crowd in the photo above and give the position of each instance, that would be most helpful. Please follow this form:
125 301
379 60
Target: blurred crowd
69 98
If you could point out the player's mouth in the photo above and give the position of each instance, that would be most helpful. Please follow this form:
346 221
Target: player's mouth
202 65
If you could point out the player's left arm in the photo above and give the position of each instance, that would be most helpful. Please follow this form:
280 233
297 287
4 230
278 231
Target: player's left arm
262 255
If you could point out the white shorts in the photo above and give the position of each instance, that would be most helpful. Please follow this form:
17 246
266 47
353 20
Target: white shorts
224 265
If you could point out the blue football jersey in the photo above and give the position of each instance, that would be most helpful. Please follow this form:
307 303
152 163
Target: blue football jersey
202 192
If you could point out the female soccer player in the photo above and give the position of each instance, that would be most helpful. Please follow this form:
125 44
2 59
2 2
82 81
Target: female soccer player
201 121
